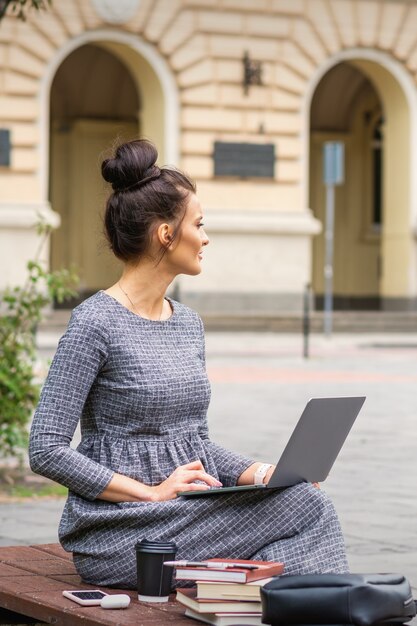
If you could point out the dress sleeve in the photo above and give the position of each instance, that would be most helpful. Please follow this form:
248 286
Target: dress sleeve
81 353
229 464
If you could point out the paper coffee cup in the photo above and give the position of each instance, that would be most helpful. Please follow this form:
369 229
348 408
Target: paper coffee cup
154 580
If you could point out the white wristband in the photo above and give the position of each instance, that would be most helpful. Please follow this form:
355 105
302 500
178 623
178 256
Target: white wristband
260 473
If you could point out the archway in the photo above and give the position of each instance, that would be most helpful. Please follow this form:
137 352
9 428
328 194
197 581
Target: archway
156 116
94 102
346 107
380 81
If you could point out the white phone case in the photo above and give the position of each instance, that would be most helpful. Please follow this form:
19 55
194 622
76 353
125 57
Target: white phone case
85 601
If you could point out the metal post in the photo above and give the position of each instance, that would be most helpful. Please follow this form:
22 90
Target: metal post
328 263
306 320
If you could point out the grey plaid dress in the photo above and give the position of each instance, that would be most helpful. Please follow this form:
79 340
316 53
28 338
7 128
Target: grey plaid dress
141 392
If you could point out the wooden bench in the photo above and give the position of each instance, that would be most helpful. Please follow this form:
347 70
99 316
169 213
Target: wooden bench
32 579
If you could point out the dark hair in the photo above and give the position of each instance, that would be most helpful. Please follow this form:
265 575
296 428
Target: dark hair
142 194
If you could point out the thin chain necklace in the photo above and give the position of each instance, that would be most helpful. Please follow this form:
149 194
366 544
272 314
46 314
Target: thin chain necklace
134 306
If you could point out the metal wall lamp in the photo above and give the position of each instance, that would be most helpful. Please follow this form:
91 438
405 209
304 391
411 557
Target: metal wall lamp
252 72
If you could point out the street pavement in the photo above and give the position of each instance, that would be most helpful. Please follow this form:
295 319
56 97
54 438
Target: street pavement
260 384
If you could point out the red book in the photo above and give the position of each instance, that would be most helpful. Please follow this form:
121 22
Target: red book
230 572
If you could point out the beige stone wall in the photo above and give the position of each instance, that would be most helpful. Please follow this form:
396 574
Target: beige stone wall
202 43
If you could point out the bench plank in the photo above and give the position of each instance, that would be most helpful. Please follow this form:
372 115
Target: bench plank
54 549
46 567
32 579
8 570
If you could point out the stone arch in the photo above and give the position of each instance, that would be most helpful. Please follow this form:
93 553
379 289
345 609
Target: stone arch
396 90
71 178
139 56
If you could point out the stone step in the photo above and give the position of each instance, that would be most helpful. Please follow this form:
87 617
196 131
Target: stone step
374 321
343 321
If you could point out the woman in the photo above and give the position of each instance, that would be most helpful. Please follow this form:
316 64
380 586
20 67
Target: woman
131 366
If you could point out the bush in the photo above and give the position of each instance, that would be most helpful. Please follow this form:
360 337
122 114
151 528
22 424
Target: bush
18 7
21 310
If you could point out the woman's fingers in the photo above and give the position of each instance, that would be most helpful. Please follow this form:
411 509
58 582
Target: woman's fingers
192 475
183 479
194 487
195 471
207 478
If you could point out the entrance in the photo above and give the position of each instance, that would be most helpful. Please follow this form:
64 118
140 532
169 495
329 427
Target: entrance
346 107
368 101
95 104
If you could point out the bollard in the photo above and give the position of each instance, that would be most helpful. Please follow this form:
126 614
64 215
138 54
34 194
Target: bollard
306 320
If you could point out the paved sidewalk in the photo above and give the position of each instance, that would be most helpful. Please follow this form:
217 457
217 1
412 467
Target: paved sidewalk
261 383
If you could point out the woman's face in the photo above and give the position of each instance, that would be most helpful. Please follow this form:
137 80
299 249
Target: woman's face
186 252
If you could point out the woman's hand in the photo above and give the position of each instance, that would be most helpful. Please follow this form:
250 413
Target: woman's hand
124 489
182 479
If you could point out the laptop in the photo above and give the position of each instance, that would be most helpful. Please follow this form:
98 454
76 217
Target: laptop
312 448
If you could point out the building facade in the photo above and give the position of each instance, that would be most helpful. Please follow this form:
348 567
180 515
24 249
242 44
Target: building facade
242 95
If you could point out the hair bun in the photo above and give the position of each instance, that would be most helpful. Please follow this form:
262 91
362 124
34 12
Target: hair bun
133 161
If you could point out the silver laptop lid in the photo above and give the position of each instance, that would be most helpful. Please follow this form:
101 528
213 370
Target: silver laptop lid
316 440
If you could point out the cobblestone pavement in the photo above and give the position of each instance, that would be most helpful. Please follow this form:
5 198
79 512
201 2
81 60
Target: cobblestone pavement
260 384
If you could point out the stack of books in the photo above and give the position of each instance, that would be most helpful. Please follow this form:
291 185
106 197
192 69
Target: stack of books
227 591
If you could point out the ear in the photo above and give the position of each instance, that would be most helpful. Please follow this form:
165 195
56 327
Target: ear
164 234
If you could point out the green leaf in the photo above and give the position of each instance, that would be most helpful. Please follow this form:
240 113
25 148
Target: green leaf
21 309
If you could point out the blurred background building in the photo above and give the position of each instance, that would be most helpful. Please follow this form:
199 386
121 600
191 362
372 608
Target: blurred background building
241 94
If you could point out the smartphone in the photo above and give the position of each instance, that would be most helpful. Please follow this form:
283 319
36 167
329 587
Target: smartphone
85 597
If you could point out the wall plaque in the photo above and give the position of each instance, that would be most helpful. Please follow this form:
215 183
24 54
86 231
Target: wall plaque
4 147
244 160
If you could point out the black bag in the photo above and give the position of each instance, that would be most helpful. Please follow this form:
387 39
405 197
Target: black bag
360 599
